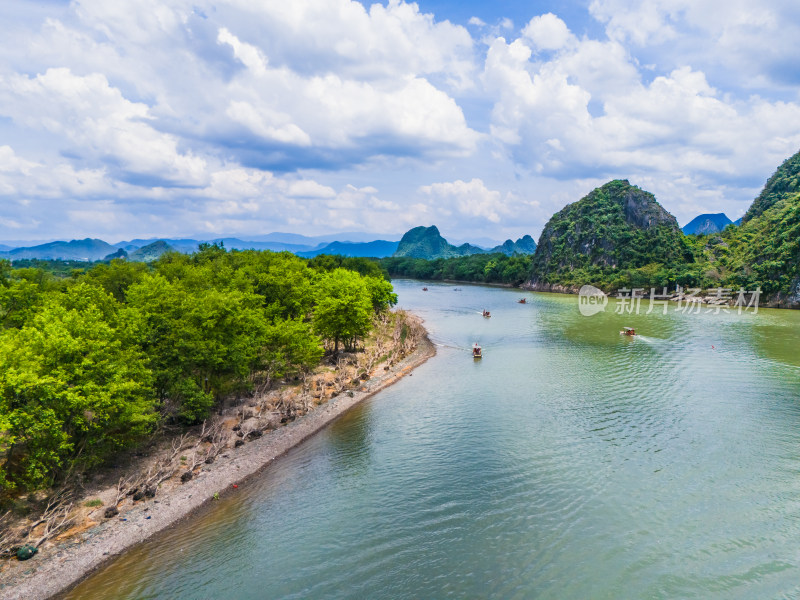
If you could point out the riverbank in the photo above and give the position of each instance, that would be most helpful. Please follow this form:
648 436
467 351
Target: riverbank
55 570
695 297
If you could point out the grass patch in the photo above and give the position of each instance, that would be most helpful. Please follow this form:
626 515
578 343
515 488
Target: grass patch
93 503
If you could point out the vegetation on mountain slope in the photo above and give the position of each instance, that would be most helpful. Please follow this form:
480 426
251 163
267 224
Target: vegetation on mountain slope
785 182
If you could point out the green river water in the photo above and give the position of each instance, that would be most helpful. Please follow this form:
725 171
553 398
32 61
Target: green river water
571 462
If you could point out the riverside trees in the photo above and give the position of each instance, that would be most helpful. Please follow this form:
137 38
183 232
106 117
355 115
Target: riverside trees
91 363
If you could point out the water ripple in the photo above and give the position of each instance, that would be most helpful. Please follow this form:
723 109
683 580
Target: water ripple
571 462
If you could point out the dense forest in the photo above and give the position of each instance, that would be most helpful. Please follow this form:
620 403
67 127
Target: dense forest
93 360
478 268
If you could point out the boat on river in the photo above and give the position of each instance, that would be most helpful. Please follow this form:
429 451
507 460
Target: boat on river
424 289
476 351
486 313
628 331
523 300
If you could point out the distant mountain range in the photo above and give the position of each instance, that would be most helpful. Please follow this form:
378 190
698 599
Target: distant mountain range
375 249
85 250
708 223
429 245
148 249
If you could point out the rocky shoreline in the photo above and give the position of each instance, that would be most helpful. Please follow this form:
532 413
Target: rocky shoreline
707 297
61 567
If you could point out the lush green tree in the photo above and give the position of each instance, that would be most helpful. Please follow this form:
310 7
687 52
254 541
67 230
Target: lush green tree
117 276
343 311
74 387
290 347
19 300
380 292
202 344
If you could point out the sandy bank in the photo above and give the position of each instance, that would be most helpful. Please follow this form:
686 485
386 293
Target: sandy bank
58 569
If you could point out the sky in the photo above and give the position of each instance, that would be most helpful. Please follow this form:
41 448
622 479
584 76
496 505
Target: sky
196 118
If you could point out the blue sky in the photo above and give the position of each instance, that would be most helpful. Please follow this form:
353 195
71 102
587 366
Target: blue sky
145 118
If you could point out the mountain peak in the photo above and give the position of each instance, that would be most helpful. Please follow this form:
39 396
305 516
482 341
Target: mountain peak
615 224
707 223
428 243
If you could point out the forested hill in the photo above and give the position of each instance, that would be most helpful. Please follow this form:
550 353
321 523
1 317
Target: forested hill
150 252
615 226
428 243
785 182
619 236
763 252
86 250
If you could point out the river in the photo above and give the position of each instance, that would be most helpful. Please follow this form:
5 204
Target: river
570 462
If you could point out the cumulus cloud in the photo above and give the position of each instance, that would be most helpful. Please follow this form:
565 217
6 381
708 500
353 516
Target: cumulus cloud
234 200
313 78
10 162
748 45
548 32
588 111
466 199
325 114
99 122
310 189
402 116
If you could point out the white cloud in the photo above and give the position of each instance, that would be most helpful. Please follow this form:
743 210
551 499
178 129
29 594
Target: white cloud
324 114
10 162
394 40
466 198
310 189
746 44
249 55
98 121
267 123
641 22
548 32
407 114
676 124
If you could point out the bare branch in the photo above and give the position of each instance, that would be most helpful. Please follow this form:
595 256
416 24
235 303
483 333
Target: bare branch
56 517
9 539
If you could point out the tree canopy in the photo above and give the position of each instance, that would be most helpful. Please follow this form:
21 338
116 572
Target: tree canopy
93 359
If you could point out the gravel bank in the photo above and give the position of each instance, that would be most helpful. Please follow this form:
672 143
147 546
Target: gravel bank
58 569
